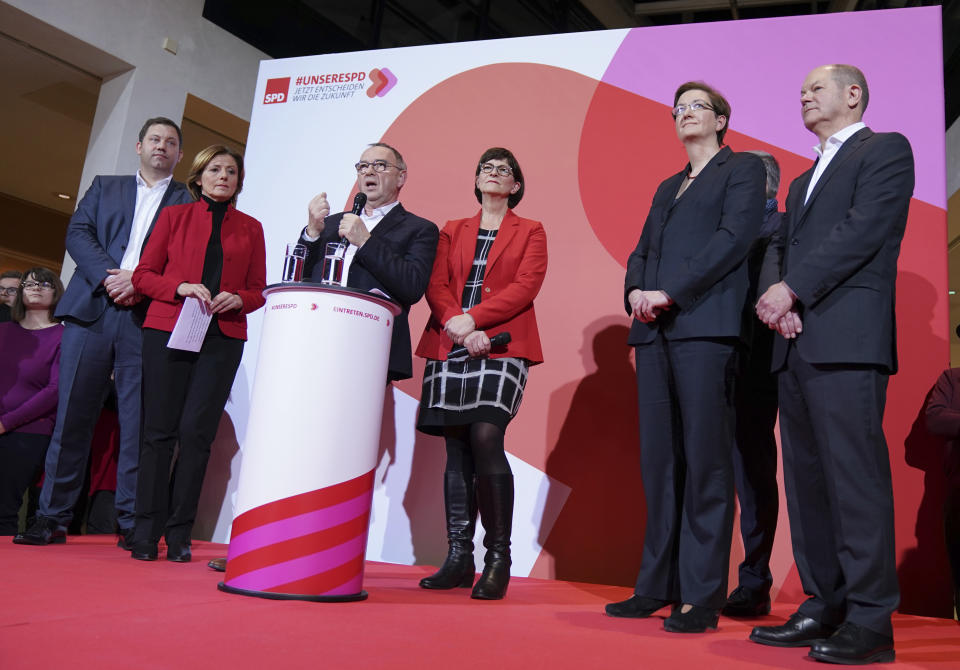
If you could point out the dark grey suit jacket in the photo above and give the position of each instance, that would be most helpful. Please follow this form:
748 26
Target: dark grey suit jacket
695 249
397 259
97 236
838 252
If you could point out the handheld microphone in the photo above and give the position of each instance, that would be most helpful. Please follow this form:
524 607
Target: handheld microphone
498 340
359 200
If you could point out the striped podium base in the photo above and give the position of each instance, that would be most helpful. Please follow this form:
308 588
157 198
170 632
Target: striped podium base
306 547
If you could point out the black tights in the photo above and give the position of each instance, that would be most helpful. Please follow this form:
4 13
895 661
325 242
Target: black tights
476 449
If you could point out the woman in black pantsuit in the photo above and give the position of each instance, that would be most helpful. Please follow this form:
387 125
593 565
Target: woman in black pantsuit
686 287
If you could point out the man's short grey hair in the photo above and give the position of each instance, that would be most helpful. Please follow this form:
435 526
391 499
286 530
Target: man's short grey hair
396 154
846 75
772 167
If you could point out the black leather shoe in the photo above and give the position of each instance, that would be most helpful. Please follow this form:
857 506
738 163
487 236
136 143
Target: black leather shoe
457 571
696 620
635 607
125 539
495 499
460 508
798 631
218 564
854 645
179 553
744 602
144 551
42 531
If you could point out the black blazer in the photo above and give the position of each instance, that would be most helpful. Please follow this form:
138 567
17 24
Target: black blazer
397 259
839 252
695 248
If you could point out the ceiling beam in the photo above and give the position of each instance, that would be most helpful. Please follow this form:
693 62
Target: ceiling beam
842 6
679 6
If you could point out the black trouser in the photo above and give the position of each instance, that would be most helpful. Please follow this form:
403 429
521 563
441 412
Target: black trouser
21 462
184 397
755 466
686 408
951 516
836 473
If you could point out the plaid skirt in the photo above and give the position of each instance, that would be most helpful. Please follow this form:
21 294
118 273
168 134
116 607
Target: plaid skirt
461 392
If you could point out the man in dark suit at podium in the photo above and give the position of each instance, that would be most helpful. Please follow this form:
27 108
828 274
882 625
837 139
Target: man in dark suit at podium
390 248
102 314
834 262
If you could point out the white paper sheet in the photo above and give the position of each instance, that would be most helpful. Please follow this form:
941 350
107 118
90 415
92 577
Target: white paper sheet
191 326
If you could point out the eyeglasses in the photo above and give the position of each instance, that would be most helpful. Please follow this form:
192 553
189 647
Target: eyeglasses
502 170
12 290
694 106
41 285
378 166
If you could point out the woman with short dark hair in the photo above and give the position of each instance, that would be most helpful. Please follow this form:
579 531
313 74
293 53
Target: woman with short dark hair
487 272
29 375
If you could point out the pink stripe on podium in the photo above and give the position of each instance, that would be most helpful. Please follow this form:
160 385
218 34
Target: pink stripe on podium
302 503
270 577
297 526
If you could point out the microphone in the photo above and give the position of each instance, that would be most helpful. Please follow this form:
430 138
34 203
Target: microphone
498 340
359 200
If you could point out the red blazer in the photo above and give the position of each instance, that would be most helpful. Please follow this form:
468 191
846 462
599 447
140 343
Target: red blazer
515 269
174 254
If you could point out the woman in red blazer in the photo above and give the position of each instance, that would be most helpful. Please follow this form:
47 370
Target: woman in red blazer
487 271
209 251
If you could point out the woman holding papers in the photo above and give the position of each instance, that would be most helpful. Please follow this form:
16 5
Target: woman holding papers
204 258
487 271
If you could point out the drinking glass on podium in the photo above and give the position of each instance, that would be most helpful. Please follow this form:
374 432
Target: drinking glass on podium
333 264
293 263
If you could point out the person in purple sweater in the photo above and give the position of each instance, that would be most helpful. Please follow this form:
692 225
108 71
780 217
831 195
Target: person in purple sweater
29 371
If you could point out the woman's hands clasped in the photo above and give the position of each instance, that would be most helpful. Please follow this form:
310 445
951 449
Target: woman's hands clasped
459 326
462 329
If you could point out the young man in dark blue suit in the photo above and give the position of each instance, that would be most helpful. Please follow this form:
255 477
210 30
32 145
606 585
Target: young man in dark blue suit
101 315
831 272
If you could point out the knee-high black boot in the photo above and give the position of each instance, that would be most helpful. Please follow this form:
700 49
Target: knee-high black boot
460 502
495 497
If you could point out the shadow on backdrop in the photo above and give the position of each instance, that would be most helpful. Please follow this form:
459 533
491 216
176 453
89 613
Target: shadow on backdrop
923 570
423 500
598 536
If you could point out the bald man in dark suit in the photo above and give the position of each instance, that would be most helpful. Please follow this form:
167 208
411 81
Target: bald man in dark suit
832 271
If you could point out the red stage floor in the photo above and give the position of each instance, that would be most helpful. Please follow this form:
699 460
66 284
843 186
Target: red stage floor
86 604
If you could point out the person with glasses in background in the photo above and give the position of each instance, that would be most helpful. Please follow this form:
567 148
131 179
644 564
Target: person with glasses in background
389 248
29 375
9 284
489 269
686 287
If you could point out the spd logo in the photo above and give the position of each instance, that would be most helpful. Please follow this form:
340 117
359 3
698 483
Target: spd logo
277 90
381 81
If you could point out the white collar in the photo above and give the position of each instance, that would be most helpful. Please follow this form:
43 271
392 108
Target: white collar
143 182
381 211
841 136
